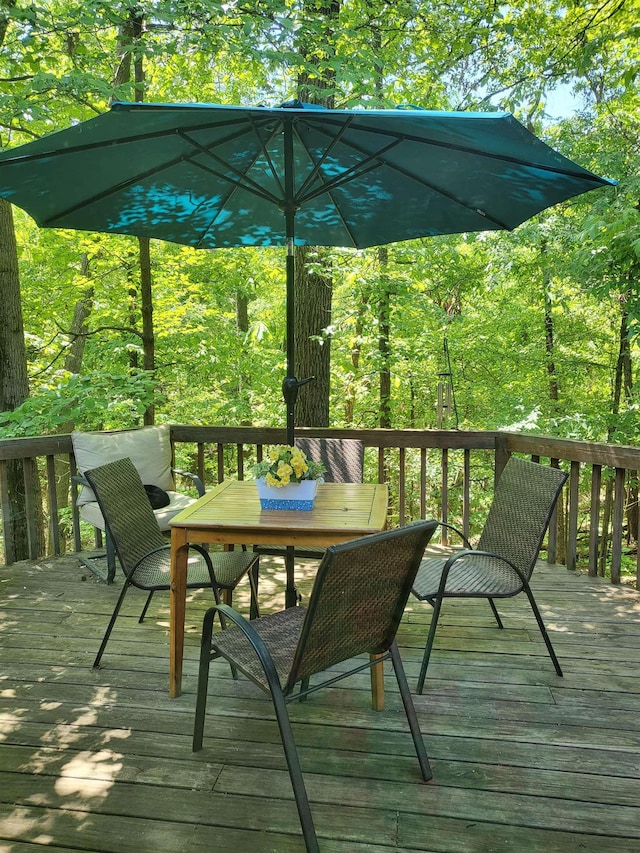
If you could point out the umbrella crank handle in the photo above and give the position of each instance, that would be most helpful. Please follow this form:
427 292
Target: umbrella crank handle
290 387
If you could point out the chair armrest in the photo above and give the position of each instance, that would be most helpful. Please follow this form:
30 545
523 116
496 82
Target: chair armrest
257 643
467 544
197 482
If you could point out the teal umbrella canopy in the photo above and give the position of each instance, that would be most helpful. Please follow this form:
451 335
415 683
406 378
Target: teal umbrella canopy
218 176
214 176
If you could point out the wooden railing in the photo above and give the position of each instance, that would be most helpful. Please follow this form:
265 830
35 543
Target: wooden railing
443 474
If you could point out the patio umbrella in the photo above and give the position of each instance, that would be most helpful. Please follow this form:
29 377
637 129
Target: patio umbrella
216 176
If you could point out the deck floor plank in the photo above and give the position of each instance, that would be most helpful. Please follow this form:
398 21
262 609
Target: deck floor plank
522 759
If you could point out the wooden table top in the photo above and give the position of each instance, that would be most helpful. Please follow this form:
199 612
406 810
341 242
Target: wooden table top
231 513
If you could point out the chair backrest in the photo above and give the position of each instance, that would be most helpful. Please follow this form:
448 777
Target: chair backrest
149 448
342 457
126 509
358 598
523 502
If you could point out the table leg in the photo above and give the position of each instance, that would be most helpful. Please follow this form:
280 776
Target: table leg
377 684
177 604
291 593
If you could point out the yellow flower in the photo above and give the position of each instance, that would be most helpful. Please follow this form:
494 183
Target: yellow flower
299 466
284 472
284 464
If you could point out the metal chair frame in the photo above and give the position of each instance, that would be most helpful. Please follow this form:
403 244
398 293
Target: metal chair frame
356 605
524 501
145 555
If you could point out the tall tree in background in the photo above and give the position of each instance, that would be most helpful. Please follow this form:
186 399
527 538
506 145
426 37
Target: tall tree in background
14 388
314 282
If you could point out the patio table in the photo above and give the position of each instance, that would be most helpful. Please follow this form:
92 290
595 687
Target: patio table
230 514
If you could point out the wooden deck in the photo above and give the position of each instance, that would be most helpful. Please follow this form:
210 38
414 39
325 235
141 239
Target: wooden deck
522 760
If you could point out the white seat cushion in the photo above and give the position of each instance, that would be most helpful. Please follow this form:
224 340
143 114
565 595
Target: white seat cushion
91 511
149 448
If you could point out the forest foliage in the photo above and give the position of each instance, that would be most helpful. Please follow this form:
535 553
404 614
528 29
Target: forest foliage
535 330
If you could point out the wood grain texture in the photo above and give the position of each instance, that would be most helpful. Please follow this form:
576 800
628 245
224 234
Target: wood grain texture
522 760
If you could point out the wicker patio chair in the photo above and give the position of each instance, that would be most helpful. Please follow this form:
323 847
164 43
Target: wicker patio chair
357 601
502 564
145 554
149 448
344 460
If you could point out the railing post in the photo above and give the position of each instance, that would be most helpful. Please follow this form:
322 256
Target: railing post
501 455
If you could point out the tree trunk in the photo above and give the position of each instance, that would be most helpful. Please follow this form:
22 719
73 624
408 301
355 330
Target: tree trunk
73 364
146 309
14 390
622 386
314 288
313 346
350 392
131 32
384 342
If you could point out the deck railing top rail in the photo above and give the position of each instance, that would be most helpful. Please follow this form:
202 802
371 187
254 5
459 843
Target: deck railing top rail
402 457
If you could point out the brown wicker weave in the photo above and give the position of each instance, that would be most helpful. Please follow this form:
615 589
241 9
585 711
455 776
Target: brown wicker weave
344 460
508 548
357 601
144 553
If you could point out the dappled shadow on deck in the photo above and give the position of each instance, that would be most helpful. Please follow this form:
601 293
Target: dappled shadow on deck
522 759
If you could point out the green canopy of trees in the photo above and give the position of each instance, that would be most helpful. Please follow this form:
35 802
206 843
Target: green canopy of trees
536 329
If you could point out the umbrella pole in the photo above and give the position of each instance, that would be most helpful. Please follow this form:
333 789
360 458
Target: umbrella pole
290 383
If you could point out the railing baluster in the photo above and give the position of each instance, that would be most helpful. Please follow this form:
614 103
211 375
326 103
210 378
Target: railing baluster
552 536
572 525
7 516
401 486
52 497
594 519
466 493
444 509
617 522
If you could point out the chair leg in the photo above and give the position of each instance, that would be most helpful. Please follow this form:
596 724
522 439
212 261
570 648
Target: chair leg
495 612
304 685
203 679
295 771
254 573
146 607
112 622
543 630
437 604
410 711
111 557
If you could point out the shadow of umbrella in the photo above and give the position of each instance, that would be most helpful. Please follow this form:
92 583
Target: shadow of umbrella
214 176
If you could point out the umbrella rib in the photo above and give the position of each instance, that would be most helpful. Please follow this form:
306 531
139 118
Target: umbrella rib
244 182
477 152
111 191
377 160
151 172
315 174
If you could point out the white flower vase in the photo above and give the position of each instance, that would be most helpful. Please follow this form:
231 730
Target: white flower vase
299 496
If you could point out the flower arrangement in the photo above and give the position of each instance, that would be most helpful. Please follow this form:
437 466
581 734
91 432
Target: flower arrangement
285 465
